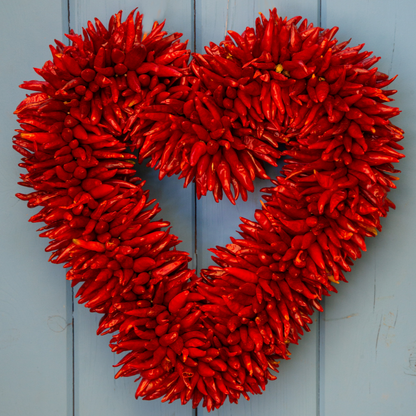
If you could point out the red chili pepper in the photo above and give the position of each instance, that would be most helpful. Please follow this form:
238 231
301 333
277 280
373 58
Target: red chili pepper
89 245
316 254
242 274
322 90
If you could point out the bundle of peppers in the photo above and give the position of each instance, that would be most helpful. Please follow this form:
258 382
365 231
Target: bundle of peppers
284 87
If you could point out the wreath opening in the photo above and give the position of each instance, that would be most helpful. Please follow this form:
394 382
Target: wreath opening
284 87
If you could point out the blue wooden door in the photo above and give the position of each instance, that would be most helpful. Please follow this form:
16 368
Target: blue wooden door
359 358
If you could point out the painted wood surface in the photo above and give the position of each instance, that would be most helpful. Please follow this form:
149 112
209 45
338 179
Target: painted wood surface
360 357
368 330
217 222
35 313
96 391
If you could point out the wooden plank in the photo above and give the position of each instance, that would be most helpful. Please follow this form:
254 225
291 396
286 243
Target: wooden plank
369 342
217 222
35 321
96 391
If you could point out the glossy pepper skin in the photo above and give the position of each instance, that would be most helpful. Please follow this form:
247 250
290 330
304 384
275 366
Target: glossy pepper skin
216 336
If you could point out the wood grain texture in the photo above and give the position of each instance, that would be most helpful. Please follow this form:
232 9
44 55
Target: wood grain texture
369 328
96 391
217 222
35 326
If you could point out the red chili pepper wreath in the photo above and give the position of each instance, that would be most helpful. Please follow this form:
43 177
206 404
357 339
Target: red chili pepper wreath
213 122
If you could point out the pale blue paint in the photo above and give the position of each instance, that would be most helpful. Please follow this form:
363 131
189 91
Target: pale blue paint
35 317
359 360
369 357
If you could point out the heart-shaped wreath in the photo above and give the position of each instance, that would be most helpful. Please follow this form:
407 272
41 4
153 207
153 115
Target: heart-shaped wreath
283 88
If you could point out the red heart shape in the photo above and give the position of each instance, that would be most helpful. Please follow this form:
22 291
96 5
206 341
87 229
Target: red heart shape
213 121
